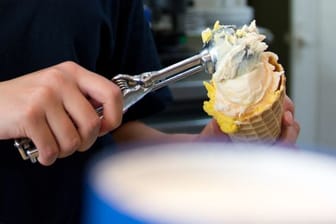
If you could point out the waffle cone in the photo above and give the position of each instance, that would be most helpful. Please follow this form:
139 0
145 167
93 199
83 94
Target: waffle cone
260 126
264 126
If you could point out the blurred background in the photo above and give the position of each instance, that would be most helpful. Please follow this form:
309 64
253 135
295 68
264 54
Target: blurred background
299 31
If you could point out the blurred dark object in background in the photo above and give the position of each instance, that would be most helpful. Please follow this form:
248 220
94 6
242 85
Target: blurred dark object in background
168 29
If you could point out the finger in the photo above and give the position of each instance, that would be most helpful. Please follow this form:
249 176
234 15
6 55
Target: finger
64 130
107 94
84 117
44 141
289 105
290 134
287 118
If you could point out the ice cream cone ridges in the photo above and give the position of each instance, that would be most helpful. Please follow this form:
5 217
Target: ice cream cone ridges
253 126
263 127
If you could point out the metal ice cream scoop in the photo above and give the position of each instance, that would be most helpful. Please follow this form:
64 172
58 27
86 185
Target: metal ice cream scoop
134 88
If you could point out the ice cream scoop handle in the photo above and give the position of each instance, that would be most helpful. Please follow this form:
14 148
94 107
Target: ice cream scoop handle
136 87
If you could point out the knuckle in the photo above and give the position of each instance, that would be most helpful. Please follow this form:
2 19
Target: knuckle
86 146
55 77
40 97
90 133
50 153
43 94
92 127
35 106
114 93
48 156
71 145
68 66
31 114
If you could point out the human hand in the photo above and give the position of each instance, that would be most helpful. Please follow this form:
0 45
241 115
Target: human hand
54 107
290 129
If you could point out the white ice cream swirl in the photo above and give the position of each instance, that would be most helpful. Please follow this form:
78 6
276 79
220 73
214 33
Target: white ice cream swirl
243 74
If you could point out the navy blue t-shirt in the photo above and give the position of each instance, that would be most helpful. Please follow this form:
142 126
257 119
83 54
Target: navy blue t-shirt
105 36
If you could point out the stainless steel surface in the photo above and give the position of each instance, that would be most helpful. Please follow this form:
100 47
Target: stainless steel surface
26 149
134 88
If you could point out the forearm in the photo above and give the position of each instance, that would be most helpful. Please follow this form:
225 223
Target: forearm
136 131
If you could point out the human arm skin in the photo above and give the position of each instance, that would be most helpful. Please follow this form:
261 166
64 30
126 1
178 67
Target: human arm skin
138 132
54 107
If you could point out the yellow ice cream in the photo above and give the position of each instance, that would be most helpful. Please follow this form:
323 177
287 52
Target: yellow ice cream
247 78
